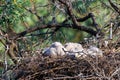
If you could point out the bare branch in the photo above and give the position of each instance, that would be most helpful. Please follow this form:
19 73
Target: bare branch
69 11
81 28
114 7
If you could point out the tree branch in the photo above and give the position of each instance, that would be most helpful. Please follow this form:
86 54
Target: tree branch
114 7
81 28
69 11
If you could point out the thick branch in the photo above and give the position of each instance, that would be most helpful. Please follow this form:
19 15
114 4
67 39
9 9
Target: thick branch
69 11
86 29
81 28
90 15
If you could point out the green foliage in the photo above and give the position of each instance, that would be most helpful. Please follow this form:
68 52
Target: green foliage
81 6
20 14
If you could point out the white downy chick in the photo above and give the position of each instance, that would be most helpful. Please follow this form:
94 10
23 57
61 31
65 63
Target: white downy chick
74 49
94 51
56 49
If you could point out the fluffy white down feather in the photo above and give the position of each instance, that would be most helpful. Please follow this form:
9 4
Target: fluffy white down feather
56 49
93 50
76 49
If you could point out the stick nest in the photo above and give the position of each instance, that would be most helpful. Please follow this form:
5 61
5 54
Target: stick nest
67 68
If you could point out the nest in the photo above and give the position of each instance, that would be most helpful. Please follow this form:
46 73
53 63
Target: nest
67 68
